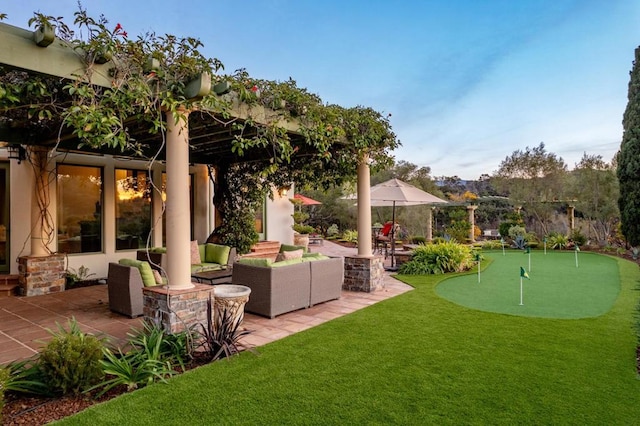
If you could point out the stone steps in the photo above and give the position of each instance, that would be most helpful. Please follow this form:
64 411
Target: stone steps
264 249
8 285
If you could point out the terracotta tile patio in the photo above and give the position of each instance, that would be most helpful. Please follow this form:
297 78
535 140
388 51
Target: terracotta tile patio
24 320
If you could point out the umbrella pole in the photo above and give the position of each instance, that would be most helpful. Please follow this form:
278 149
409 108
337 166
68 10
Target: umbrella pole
393 235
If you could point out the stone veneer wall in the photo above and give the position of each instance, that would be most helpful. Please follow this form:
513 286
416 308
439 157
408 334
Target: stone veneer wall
41 274
363 273
177 310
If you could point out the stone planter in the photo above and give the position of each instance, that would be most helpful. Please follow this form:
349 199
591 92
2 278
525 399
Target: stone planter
232 298
301 240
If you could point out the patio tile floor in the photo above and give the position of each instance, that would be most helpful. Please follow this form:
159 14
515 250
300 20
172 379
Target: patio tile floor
24 320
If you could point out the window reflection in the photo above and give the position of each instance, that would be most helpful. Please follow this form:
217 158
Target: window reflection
133 208
79 209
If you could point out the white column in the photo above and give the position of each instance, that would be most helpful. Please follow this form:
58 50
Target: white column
430 224
472 220
178 219
571 216
364 208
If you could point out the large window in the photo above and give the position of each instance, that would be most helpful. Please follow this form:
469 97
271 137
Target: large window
133 208
79 209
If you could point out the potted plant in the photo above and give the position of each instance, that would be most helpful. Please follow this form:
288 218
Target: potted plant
302 230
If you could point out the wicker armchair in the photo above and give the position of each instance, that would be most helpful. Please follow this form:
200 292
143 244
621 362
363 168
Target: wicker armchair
125 290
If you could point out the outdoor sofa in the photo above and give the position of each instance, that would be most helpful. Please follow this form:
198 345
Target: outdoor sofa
288 285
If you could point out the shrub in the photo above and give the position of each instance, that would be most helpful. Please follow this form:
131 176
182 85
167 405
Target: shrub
350 236
578 237
155 343
333 230
70 362
557 241
5 374
439 259
132 370
25 376
492 245
416 239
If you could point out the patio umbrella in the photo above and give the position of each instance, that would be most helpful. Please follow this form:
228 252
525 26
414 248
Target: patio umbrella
306 200
395 192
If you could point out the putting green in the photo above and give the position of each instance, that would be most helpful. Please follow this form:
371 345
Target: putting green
556 288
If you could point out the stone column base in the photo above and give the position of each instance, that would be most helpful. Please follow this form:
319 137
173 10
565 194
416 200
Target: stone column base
177 310
41 274
363 273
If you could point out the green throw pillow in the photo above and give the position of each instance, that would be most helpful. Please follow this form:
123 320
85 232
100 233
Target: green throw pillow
148 280
255 261
216 253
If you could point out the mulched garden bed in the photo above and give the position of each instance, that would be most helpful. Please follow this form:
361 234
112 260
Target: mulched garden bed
38 410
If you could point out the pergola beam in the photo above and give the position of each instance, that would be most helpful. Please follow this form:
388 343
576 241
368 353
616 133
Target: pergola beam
19 50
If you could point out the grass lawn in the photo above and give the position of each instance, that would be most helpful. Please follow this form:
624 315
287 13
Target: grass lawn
414 359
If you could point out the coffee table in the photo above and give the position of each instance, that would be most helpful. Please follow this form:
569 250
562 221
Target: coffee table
218 276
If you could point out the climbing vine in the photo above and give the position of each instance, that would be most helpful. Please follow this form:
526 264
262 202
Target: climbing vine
150 76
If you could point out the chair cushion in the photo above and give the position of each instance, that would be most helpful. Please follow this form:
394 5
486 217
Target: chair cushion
216 253
317 256
203 267
148 280
286 262
195 253
255 261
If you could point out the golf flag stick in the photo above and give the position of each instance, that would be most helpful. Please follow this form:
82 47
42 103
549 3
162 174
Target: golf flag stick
545 245
523 274
576 251
502 242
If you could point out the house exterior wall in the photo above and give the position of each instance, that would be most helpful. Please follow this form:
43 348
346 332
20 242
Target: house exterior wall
278 211
279 219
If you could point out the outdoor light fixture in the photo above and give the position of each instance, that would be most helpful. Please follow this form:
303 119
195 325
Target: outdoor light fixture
17 152
283 190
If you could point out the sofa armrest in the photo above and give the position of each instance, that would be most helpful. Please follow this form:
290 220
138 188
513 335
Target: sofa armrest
327 276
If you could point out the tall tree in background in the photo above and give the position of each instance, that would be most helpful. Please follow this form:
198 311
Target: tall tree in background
629 160
533 178
595 188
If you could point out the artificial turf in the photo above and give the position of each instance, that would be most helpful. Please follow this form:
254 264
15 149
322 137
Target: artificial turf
414 359
556 287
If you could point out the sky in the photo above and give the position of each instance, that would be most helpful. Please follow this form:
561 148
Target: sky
466 82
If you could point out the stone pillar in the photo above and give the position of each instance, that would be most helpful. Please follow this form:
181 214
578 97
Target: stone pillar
472 220
363 273
178 218
430 224
41 274
364 208
571 216
177 310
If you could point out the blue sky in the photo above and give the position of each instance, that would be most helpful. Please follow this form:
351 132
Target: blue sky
467 82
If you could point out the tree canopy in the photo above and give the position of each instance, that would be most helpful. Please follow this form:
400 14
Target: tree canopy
629 160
